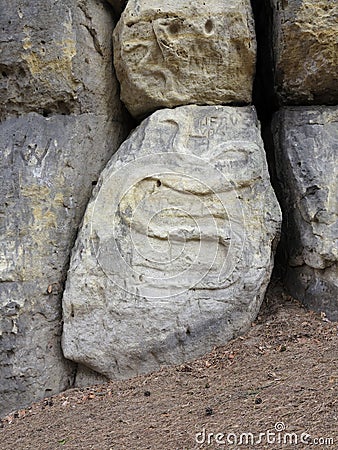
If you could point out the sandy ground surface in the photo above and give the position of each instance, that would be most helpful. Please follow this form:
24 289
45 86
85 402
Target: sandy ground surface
276 387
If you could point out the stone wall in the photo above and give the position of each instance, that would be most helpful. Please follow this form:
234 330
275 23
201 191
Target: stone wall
61 120
173 251
306 153
305 55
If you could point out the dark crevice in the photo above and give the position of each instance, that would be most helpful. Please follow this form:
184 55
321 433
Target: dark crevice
117 9
266 103
93 35
264 97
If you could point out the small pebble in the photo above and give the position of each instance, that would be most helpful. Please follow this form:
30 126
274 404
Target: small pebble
208 411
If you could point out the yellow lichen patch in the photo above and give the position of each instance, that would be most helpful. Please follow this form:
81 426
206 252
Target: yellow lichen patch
35 191
59 199
43 216
55 62
26 43
43 223
61 66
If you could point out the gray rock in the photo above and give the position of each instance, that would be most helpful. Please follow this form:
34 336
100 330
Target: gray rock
176 53
306 140
176 246
47 169
56 58
306 51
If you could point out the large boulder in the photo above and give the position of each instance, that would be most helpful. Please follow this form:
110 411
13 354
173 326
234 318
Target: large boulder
176 247
176 53
47 170
306 142
56 59
306 51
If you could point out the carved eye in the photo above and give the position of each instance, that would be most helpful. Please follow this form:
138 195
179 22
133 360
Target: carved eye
209 26
174 28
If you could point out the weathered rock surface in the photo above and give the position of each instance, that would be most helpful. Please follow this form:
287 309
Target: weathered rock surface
55 54
47 169
176 246
176 53
307 154
55 57
306 51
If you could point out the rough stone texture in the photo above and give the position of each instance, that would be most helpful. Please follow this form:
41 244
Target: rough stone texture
47 169
176 53
55 57
176 247
306 51
54 54
307 153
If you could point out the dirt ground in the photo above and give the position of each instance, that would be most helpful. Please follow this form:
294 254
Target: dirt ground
274 388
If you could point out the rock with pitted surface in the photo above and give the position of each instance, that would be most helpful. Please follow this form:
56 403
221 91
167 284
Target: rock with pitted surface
173 53
55 59
306 51
306 141
47 169
176 247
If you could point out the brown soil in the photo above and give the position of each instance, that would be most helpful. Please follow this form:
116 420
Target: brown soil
283 373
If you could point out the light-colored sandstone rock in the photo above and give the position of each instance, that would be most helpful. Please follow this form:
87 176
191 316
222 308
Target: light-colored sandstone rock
176 246
307 155
306 51
176 53
55 58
